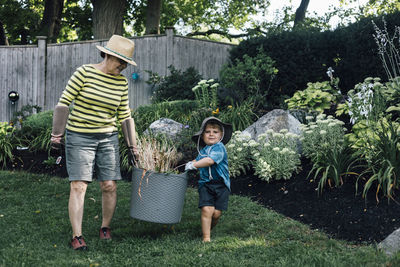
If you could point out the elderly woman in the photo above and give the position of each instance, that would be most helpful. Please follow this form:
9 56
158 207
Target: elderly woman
100 95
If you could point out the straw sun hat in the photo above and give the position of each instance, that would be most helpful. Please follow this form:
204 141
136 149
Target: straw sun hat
119 47
226 135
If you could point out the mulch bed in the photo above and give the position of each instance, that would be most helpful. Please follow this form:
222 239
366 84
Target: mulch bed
340 212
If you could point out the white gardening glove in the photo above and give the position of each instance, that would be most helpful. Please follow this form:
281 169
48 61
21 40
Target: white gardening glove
189 166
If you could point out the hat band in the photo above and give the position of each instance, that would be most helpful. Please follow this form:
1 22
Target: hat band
118 53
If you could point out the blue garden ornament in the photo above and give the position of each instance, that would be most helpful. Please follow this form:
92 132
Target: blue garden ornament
135 76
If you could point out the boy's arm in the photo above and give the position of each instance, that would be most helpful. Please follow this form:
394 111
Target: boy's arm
194 165
204 162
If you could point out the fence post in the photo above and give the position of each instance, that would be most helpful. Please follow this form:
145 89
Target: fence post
170 47
41 72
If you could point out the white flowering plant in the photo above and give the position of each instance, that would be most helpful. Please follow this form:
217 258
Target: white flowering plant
275 155
323 141
238 150
206 93
366 101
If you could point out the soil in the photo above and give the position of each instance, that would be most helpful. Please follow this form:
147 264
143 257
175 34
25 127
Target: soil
341 212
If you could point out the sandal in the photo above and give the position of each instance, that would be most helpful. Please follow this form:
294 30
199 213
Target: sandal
78 243
105 233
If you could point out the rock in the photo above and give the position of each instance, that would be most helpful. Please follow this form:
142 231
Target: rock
391 244
165 126
276 120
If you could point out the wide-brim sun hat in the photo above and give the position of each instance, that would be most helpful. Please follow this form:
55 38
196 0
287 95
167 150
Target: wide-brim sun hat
226 135
119 47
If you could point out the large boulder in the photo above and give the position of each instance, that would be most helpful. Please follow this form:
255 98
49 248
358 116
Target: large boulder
166 127
391 244
275 120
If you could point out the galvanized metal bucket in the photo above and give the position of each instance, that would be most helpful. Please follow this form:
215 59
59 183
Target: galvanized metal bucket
157 197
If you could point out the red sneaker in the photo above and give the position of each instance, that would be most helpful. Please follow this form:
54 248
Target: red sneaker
105 233
78 243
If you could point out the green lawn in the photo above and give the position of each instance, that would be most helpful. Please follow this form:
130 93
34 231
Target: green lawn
35 231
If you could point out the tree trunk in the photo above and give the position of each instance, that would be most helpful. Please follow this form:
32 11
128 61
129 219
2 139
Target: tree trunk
153 12
108 18
301 12
51 22
3 37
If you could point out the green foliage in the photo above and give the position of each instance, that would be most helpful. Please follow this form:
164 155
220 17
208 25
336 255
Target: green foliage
6 143
333 166
250 77
392 96
382 154
35 131
26 111
239 155
206 93
275 155
175 86
240 115
178 110
324 143
302 56
317 96
366 101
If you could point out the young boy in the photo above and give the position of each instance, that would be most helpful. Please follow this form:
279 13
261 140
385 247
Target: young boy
212 162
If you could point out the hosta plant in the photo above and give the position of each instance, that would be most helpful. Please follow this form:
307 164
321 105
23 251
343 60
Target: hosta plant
317 96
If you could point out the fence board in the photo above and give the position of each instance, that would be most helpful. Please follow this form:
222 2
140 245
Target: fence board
40 73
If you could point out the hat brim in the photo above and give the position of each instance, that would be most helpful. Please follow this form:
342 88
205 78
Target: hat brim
226 127
102 49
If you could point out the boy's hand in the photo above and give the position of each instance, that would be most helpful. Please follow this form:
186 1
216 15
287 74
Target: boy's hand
189 166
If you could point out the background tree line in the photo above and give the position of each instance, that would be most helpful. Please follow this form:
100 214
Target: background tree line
75 20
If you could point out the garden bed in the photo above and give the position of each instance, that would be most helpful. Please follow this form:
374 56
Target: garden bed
339 212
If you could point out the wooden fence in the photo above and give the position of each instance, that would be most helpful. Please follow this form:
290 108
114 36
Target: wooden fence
39 73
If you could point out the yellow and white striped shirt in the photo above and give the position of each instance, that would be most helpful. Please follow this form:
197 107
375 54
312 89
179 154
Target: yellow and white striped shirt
99 99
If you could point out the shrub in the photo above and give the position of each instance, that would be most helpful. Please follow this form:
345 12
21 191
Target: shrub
176 86
317 96
275 155
250 77
36 131
324 143
238 150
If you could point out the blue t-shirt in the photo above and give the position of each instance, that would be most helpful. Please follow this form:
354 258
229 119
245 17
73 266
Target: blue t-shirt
219 170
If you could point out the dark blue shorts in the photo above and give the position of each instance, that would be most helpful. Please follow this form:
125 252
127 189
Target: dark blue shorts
215 195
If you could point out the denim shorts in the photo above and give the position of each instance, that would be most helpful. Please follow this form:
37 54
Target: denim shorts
214 194
92 153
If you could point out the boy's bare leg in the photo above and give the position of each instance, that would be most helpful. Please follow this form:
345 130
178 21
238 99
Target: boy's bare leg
215 217
206 219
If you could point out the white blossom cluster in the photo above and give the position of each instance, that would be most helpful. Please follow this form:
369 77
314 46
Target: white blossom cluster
238 150
361 100
275 155
324 134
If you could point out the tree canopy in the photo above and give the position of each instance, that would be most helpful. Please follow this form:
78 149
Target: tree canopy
74 20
